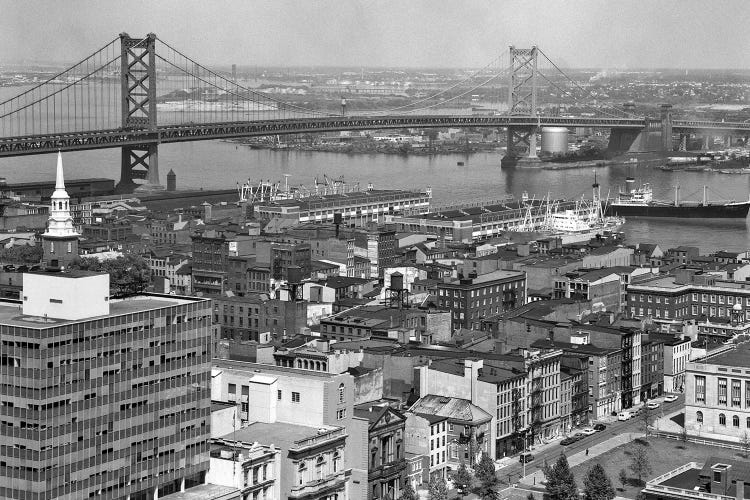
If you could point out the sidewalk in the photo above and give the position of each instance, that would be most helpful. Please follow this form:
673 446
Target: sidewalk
580 457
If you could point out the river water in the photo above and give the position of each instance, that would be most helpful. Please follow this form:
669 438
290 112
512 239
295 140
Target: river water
217 164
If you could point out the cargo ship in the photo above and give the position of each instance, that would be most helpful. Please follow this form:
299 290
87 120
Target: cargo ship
639 202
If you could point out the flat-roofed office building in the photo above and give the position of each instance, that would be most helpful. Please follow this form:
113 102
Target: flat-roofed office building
102 397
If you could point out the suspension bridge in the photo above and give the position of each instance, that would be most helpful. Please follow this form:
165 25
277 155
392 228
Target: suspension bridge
137 93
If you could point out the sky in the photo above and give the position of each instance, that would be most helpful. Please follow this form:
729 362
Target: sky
622 34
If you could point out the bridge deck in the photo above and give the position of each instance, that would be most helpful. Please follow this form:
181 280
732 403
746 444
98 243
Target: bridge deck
99 139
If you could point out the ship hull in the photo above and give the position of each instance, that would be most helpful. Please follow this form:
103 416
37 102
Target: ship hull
729 211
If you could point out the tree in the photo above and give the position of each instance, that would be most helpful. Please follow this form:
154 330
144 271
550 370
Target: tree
128 275
561 484
745 444
646 418
408 493
489 484
438 489
623 478
22 254
596 484
462 479
639 462
683 436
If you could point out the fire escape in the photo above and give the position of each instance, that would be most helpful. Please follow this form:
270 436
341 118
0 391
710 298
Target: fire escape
627 373
536 407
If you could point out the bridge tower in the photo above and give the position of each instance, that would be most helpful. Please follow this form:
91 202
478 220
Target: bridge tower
138 106
522 100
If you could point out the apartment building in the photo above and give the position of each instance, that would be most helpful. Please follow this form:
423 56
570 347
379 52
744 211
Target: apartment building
288 396
427 437
104 397
669 300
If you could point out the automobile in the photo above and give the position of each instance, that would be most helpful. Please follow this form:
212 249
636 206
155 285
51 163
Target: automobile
579 435
635 412
599 427
588 431
624 415
568 440
670 398
525 458
652 405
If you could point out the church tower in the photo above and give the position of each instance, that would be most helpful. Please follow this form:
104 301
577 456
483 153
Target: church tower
60 241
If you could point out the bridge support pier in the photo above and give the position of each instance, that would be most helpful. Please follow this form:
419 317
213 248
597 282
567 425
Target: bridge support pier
707 142
131 159
666 127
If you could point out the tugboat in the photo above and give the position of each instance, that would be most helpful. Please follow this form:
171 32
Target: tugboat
639 202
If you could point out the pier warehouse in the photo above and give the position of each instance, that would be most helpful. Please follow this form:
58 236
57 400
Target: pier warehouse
357 208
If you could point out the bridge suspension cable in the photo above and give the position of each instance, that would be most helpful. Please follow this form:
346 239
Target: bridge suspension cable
76 99
615 112
448 89
213 78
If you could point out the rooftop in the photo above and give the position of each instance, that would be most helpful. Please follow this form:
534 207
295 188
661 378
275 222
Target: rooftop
739 357
11 313
280 434
451 408
205 491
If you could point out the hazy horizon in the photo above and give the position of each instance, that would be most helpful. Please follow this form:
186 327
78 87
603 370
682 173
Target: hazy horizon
624 36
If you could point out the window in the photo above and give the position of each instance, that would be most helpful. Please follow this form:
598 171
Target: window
278 395
295 397
341 414
736 421
232 389
722 395
736 393
700 389
722 419
341 393
301 473
699 417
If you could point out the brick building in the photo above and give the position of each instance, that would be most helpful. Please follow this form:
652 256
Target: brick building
474 298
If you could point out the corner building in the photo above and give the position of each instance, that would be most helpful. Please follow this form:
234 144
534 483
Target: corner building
100 397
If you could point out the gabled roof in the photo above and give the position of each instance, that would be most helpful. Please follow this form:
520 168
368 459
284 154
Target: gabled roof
377 414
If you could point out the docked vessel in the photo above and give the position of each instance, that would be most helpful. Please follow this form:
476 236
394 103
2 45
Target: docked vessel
575 222
639 202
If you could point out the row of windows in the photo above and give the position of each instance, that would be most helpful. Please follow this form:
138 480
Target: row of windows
723 420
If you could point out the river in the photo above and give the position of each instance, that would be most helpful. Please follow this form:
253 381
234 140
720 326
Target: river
217 164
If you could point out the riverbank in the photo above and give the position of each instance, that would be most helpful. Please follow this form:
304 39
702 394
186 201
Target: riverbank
368 148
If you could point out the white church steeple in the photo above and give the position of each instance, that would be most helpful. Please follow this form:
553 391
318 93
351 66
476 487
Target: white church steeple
60 223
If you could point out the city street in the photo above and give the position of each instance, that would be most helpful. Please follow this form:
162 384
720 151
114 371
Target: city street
512 474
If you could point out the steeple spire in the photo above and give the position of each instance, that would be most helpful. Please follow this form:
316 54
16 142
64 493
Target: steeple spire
60 224
60 181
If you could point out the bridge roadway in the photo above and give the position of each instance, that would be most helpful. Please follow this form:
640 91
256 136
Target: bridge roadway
100 139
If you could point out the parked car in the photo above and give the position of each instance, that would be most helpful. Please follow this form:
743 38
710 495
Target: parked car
599 427
568 440
525 458
652 405
588 431
624 415
670 398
